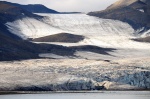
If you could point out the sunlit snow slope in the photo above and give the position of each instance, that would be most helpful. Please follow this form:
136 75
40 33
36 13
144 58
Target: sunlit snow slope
72 23
97 31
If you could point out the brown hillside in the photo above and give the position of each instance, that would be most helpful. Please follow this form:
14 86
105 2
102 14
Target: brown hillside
62 37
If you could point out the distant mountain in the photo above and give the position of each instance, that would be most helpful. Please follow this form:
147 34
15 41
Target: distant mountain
34 8
134 12
37 8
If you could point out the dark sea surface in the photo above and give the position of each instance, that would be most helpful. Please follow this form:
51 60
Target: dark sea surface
88 95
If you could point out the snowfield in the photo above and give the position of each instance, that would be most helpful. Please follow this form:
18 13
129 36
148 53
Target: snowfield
125 67
99 32
71 23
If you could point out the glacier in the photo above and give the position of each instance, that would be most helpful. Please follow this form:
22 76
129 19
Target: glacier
71 23
126 67
75 74
97 31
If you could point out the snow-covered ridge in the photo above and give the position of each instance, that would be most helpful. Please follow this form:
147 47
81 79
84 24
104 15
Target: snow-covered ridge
71 23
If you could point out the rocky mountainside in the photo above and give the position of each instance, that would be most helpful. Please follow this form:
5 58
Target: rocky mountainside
134 12
121 3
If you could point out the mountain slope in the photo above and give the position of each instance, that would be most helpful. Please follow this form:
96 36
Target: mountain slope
121 3
33 8
10 13
12 47
134 12
37 8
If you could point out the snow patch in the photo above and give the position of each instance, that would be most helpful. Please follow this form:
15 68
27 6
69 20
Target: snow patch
141 10
147 33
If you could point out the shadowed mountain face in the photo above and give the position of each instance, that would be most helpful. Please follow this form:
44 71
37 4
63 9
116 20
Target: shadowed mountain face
134 12
12 49
33 8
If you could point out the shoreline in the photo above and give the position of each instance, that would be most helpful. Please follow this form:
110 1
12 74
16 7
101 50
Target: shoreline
55 92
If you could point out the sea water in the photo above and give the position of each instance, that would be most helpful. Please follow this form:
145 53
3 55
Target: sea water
83 95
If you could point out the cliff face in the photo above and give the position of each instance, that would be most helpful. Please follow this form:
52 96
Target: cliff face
134 12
